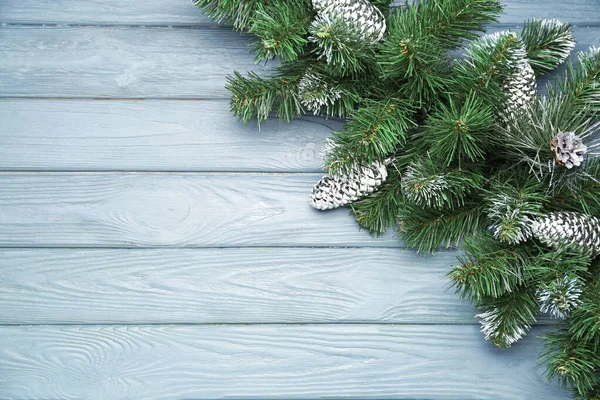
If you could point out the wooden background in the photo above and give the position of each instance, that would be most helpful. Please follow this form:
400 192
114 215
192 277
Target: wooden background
153 248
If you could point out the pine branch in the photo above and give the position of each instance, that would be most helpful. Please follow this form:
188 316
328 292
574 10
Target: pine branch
428 185
488 269
548 43
580 84
458 133
240 13
573 363
506 319
427 229
281 28
373 132
255 97
378 211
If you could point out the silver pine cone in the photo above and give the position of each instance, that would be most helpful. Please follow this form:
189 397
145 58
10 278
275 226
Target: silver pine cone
360 14
315 93
569 228
569 149
520 85
334 191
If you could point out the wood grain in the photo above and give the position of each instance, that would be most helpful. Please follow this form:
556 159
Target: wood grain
146 135
60 286
179 210
120 62
125 62
181 12
266 362
105 12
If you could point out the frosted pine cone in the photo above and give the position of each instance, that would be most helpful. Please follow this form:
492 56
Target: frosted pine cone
560 297
360 14
520 86
315 93
334 191
569 149
569 228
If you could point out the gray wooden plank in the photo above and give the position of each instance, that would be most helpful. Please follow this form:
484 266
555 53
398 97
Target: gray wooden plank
266 362
121 62
181 12
159 135
281 285
125 12
132 62
168 209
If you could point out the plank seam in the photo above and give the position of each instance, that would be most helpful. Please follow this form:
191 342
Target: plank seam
281 324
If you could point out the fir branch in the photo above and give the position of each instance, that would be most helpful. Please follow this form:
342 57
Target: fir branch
506 319
373 132
240 13
511 210
425 184
489 61
255 97
488 269
572 362
580 84
458 133
341 45
378 211
427 229
548 43
281 28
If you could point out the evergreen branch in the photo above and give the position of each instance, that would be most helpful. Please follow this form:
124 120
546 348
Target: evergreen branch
340 44
458 133
548 43
427 185
427 229
573 363
373 132
506 319
489 61
255 97
240 13
378 211
281 28
580 84
488 269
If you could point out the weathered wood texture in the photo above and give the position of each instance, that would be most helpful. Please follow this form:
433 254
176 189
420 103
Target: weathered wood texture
152 135
178 210
182 13
120 61
59 286
124 62
266 362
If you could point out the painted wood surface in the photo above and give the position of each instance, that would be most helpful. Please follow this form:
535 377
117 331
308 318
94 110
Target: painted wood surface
266 362
125 62
259 285
121 62
183 13
170 209
229 212
149 135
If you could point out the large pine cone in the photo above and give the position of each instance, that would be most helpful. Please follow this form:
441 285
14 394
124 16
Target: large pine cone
334 191
569 228
360 14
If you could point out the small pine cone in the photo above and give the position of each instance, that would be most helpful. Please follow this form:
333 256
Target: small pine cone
560 297
521 87
569 149
569 228
357 13
315 93
334 191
